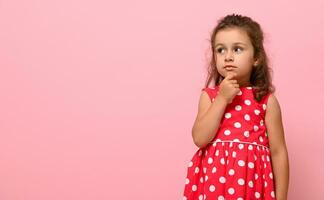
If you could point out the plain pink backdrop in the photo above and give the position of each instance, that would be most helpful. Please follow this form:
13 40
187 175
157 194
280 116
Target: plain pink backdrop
97 98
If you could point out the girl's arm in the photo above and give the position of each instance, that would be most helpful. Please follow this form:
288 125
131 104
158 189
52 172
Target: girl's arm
278 149
208 119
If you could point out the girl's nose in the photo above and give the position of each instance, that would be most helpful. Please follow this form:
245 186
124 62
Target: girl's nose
229 57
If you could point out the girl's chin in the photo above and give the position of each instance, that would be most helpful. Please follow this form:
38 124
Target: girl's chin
229 72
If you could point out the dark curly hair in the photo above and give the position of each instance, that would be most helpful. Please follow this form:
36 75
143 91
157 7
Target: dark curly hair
260 79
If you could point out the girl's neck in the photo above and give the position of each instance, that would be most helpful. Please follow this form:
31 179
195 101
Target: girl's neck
246 84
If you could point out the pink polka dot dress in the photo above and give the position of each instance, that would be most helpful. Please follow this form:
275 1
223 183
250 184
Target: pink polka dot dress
236 164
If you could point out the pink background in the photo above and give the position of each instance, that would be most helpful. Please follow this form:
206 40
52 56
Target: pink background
98 98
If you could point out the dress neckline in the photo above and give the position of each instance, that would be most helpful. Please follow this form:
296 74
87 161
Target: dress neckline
241 87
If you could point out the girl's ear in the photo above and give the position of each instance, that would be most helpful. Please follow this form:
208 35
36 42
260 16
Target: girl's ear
256 62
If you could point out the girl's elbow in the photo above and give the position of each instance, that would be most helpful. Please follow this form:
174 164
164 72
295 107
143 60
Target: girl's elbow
198 141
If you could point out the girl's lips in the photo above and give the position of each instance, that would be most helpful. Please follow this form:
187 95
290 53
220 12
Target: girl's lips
229 67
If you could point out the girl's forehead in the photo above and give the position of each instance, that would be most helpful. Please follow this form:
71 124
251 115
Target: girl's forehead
231 36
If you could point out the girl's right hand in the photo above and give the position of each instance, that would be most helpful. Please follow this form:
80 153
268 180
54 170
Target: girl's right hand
229 88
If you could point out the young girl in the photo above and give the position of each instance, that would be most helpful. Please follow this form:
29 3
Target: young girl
242 152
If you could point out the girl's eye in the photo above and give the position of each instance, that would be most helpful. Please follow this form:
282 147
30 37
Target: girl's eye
220 50
238 49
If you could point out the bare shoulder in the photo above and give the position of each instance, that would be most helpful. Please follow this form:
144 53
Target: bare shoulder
274 124
273 104
204 104
273 112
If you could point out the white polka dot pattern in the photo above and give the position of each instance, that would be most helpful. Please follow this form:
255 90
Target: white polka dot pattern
238 159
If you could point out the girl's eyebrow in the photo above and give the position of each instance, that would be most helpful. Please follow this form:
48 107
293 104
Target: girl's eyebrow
236 43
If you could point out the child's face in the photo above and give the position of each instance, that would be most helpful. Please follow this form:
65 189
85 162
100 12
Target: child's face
233 47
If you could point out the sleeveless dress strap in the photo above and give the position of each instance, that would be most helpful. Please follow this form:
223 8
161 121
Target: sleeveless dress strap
211 92
265 98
